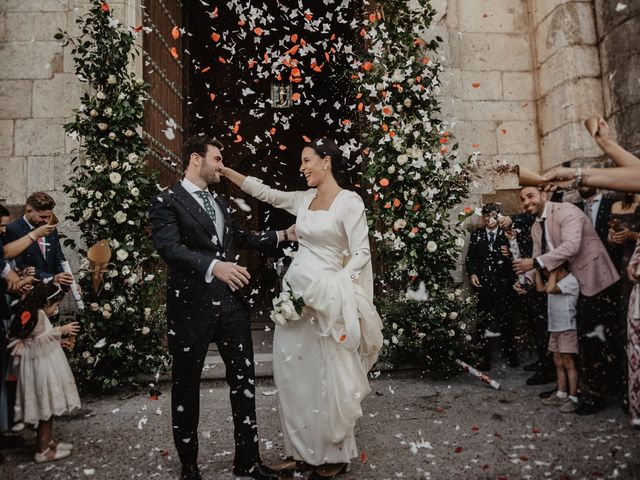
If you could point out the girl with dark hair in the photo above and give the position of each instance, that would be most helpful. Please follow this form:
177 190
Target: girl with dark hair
46 386
321 361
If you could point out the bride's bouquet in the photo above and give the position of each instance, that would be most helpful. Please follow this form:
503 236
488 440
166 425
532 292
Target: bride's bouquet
287 307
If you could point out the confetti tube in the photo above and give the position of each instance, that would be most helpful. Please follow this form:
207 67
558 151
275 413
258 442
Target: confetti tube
485 378
74 286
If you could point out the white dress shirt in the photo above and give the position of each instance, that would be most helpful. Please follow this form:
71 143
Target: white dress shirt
546 234
595 206
192 188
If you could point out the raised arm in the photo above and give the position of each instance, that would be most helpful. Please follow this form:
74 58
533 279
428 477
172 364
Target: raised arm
289 201
615 152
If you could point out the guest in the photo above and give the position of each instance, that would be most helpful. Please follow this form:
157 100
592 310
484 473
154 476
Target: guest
44 253
46 387
563 233
597 207
491 277
562 290
533 305
633 339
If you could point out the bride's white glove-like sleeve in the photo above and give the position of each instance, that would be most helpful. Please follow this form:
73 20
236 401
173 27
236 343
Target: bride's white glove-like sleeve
354 221
289 201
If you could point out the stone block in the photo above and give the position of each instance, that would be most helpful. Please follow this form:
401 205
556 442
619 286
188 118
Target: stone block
35 5
6 137
56 97
13 180
573 101
29 60
568 143
15 98
30 26
498 111
481 85
627 125
570 24
518 85
575 61
41 136
63 171
619 45
495 51
517 137
450 83
477 136
609 17
621 87
40 174
493 16
540 9
530 161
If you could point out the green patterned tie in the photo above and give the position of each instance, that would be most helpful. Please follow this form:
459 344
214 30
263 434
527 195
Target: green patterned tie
208 205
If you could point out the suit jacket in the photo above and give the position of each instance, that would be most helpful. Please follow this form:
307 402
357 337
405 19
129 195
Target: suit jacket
602 217
575 241
523 222
487 262
186 239
46 267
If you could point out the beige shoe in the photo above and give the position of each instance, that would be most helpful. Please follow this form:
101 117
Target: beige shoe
61 445
554 401
569 407
51 455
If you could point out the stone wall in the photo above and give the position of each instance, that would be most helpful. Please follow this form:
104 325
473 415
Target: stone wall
38 92
618 25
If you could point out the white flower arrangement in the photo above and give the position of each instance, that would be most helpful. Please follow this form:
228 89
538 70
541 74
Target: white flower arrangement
287 307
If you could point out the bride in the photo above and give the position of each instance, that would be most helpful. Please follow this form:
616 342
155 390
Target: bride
320 362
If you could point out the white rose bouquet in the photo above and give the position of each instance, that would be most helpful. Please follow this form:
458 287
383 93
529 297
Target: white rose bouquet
287 307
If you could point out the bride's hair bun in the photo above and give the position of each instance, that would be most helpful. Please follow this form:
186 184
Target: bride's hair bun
326 147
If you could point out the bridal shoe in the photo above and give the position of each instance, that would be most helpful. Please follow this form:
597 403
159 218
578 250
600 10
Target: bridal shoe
44 456
61 445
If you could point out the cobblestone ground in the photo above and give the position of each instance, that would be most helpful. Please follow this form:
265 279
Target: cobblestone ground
412 428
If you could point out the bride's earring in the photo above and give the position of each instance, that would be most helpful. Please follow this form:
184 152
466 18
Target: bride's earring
325 168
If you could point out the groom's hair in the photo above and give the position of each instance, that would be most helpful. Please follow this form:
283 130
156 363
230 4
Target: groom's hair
197 144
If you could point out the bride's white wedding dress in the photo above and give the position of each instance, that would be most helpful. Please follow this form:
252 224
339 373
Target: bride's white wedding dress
320 362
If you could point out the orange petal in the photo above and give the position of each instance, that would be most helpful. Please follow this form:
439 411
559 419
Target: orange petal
385 127
504 131
443 150
238 139
175 33
346 122
252 63
363 457
174 52
205 69
306 139
372 17
295 72
282 147
104 6
293 50
308 16
241 23
363 32
396 202
222 60
236 127
475 84
366 66
294 38
392 134
342 338
258 31
272 131
443 140
215 36
475 145
414 230
384 182
295 97
212 96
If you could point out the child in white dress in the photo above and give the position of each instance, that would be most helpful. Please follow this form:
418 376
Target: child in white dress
46 386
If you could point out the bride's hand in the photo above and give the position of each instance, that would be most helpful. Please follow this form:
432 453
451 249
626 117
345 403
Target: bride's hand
291 233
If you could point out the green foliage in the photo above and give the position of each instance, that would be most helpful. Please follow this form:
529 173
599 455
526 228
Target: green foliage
123 325
415 177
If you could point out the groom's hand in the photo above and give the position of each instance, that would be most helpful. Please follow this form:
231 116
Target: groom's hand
233 275
291 233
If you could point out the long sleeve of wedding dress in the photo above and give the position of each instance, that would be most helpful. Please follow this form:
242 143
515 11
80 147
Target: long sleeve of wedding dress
289 201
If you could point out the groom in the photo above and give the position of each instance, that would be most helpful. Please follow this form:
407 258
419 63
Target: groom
197 238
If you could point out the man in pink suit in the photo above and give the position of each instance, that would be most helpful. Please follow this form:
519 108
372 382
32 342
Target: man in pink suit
563 233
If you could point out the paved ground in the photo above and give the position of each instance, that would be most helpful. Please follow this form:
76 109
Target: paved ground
412 428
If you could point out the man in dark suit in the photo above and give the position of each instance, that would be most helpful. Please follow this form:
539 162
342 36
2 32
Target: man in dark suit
490 274
195 235
45 252
597 207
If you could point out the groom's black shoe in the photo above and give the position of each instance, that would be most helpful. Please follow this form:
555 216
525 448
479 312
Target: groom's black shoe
258 470
190 472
